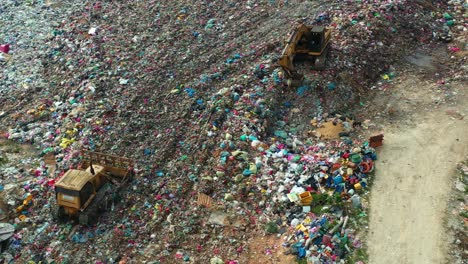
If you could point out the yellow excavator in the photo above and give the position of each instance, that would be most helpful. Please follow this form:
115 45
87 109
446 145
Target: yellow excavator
83 194
313 42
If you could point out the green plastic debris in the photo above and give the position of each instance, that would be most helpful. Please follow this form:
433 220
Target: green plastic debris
356 158
271 228
281 134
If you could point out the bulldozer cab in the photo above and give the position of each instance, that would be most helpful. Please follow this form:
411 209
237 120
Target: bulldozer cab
76 187
80 193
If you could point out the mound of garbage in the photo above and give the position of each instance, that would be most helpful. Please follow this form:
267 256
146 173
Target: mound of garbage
193 94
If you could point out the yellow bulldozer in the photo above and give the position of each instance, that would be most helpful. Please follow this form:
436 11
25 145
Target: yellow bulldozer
311 42
83 194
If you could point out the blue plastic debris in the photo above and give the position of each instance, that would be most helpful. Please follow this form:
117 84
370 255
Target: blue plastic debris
331 86
190 91
302 90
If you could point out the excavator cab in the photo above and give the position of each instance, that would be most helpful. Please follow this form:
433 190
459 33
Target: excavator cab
312 42
316 38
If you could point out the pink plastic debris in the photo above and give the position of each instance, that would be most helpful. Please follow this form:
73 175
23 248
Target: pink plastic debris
5 48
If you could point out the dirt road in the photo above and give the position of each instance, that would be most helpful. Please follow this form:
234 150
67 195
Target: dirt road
413 180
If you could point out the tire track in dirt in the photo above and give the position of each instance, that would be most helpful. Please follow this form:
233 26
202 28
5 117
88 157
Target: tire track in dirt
412 185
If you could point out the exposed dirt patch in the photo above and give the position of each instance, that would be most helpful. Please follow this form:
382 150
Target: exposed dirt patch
329 130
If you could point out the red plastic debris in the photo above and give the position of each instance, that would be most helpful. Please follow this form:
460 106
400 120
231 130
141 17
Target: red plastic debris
376 141
5 48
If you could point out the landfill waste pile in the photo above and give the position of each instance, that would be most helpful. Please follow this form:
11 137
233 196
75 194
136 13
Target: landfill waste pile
191 91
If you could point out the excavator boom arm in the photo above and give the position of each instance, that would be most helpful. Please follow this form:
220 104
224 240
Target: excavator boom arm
289 51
